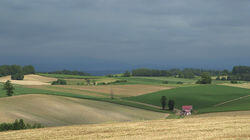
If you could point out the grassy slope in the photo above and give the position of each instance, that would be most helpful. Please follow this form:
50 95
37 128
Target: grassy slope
201 97
242 104
212 127
20 90
57 110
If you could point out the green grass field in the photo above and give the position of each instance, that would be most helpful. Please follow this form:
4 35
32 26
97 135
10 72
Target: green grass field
202 97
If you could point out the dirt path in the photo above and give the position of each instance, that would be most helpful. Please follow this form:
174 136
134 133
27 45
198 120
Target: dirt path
231 100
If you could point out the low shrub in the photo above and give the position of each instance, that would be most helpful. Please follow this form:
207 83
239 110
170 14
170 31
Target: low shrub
234 82
59 82
179 82
165 82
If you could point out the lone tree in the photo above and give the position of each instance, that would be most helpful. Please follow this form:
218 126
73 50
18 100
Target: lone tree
9 88
163 102
111 93
171 104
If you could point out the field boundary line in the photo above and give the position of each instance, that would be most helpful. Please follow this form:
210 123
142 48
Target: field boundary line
231 100
154 106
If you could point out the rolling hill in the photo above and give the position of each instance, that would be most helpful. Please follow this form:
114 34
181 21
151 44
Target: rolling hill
204 98
52 110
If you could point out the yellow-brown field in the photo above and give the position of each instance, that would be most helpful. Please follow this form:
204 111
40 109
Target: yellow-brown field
30 79
52 110
243 85
123 90
212 127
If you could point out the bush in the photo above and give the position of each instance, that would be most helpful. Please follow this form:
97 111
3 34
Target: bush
234 82
17 76
223 79
165 82
59 82
179 82
18 125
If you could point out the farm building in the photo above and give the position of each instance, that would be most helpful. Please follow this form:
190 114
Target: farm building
186 110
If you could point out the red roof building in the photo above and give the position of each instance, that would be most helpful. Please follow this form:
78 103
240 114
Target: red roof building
186 109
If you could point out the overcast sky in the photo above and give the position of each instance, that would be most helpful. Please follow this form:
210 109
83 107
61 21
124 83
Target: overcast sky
122 34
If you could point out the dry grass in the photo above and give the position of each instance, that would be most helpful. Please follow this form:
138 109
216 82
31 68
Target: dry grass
243 85
56 110
30 79
209 127
123 90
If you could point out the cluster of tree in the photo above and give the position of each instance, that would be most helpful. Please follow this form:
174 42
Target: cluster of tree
18 125
171 103
59 82
205 79
185 73
114 82
17 72
68 72
241 73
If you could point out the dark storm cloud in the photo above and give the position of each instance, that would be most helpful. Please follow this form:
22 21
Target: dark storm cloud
181 33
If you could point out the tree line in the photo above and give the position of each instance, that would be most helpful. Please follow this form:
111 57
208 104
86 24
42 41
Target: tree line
68 72
17 72
241 73
180 73
18 125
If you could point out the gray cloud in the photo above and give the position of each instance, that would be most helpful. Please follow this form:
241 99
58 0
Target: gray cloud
181 33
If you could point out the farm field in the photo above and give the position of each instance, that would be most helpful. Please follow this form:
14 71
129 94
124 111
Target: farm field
52 110
23 90
202 97
118 90
243 85
74 79
30 79
201 127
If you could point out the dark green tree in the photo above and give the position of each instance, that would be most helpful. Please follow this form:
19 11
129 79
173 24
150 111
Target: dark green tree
9 88
59 82
171 104
126 74
29 69
163 102
205 79
17 76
